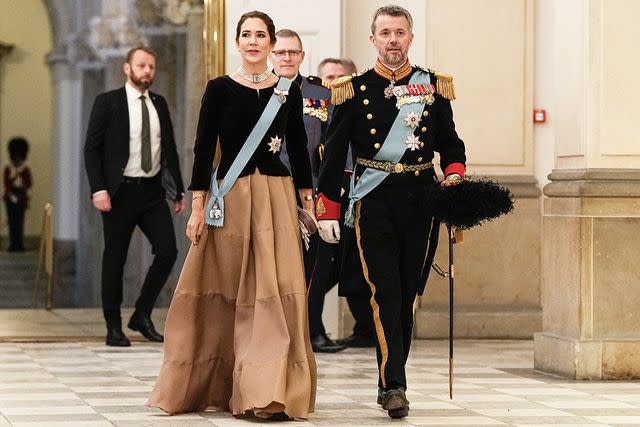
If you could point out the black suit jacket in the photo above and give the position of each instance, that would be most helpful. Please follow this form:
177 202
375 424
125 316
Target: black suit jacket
106 149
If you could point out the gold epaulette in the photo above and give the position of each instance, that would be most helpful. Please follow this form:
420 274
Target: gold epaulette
341 90
444 85
318 81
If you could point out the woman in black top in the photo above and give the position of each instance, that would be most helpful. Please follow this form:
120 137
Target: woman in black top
236 335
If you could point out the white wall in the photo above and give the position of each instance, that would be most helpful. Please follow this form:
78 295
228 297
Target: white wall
317 25
356 27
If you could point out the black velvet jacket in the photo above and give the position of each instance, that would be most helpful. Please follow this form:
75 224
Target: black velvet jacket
229 112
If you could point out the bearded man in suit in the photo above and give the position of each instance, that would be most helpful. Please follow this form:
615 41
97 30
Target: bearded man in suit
132 164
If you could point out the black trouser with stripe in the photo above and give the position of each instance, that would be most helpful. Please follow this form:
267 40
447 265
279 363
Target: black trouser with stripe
136 204
392 229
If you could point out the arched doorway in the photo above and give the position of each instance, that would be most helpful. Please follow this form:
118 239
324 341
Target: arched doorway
25 110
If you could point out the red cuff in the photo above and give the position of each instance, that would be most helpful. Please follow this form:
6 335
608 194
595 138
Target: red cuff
326 209
454 168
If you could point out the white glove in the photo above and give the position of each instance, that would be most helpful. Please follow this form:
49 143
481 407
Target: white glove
329 230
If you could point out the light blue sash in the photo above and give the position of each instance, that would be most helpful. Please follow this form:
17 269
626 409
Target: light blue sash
214 214
392 150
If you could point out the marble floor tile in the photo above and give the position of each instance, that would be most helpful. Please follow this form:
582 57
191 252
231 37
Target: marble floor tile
86 383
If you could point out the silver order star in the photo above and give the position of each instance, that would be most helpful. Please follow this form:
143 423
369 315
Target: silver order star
275 145
412 142
412 119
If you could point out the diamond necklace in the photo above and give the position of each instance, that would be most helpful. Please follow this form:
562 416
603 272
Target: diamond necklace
253 78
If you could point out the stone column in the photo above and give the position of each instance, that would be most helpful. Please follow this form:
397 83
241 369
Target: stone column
591 321
67 175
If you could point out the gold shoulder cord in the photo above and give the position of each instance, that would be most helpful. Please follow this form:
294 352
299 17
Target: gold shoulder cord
326 84
444 85
341 90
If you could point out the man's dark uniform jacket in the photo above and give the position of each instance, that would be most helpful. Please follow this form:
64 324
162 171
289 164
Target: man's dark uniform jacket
107 145
363 117
317 110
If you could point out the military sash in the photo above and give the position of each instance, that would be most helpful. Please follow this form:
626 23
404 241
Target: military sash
392 150
214 213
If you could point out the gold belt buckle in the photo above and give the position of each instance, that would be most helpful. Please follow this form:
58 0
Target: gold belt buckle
398 168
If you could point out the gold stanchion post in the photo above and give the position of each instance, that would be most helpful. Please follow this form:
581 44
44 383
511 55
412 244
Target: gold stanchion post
45 255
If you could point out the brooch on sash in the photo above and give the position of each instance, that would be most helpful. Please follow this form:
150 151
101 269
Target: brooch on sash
413 94
412 120
316 108
275 145
282 95
412 142
215 211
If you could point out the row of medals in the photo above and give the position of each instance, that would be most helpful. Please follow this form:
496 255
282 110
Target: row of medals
411 94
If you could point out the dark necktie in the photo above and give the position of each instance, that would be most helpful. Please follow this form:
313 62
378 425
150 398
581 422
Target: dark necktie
145 136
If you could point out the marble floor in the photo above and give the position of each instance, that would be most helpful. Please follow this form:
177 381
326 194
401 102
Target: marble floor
84 383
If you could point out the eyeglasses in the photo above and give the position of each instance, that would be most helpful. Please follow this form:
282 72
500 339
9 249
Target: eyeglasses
291 53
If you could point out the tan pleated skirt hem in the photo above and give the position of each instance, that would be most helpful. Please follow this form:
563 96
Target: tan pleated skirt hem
236 334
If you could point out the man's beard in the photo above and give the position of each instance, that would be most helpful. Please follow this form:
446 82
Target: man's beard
395 59
144 85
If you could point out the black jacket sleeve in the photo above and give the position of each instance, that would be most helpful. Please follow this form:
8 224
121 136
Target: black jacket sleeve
335 152
94 143
296 138
447 141
204 148
171 153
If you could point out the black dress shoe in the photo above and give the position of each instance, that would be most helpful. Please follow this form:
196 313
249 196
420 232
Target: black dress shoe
280 416
323 344
117 338
357 341
396 403
142 323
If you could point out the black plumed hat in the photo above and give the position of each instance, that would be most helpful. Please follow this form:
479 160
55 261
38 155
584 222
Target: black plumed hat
18 147
470 203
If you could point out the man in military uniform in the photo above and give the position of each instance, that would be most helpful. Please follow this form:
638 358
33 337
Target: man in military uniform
395 116
287 56
341 262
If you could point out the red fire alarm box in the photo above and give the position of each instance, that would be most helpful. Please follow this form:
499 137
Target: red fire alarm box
539 116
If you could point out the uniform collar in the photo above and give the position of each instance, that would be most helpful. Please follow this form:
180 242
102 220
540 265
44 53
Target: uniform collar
393 74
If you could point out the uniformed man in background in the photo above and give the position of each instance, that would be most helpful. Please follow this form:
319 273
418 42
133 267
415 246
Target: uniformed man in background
287 56
341 262
395 116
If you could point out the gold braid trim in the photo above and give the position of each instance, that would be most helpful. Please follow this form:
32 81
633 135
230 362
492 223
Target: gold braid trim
444 86
341 90
326 84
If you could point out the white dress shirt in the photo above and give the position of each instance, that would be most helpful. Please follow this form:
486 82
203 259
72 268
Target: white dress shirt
133 167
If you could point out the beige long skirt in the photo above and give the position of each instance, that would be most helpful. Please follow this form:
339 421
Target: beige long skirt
236 334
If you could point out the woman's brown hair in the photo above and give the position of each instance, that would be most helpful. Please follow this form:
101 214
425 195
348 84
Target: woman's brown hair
271 28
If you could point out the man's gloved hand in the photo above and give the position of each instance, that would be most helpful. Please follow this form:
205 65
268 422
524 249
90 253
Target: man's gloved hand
329 230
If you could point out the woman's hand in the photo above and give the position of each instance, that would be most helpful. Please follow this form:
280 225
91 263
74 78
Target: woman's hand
195 225
306 195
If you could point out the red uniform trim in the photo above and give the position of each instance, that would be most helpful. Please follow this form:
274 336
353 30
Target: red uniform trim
455 168
326 209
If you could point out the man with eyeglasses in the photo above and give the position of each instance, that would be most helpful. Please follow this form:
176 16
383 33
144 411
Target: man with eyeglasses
287 56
